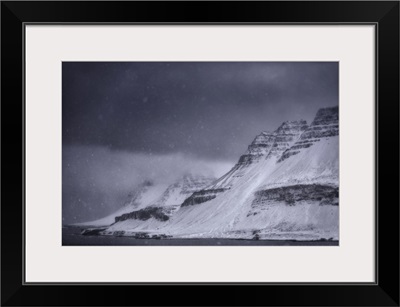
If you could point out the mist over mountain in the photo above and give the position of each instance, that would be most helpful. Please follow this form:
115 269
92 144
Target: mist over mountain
96 179
285 187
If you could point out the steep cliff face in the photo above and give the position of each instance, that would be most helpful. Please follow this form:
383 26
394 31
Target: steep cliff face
265 146
286 186
325 124
290 195
144 214
288 133
201 197
259 148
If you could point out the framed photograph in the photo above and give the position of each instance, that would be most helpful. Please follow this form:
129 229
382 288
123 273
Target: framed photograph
243 151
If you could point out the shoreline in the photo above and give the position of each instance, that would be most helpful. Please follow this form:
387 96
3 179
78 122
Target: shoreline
78 239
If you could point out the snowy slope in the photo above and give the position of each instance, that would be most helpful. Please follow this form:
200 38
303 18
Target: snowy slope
265 146
151 195
284 187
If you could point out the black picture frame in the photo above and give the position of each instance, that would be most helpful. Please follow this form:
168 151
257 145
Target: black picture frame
383 14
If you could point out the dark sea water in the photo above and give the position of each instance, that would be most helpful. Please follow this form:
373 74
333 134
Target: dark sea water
71 237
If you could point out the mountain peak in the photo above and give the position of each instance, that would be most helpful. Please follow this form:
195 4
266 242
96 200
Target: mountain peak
272 144
326 116
291 127
324 125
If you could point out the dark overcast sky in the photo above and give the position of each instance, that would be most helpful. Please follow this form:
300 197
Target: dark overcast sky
202 108
117 115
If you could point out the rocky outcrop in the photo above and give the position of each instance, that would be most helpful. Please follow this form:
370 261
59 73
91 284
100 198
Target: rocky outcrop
286 135
326 116
267 144
260 147
291 195
201 197
144 215
325 124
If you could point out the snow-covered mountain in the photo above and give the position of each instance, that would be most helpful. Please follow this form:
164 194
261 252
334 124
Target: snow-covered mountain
266 146
286 186
148 197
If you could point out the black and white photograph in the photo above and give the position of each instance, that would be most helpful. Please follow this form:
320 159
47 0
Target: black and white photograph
144 148
200 153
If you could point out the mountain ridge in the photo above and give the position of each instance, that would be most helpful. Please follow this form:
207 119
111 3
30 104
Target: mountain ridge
285 186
